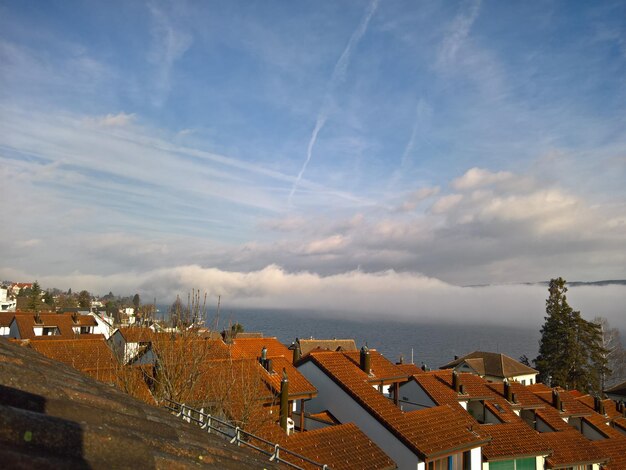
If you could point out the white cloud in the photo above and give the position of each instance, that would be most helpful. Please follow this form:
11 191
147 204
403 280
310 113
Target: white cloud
479 177
326 245
446 203
414 198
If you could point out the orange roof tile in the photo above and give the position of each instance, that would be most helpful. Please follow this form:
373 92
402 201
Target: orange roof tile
82 354
410 369
615 449
571 406
383 370
251 348
512 440
64 322
342 447
571 448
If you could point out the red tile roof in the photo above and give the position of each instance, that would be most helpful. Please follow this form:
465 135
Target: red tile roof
571 448
512 440
342 447
410 369
427 441
251 348
82 354
615 449
64 322
382 369
571 406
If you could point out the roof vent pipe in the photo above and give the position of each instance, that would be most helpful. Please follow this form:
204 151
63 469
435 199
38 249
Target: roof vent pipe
284 400
366 360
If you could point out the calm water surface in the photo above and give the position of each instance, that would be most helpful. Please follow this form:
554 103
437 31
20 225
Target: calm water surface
433 344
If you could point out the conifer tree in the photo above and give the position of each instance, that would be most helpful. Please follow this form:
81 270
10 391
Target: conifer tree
570 350
34 297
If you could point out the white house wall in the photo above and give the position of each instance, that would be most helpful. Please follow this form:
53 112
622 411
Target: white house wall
413 397
331 397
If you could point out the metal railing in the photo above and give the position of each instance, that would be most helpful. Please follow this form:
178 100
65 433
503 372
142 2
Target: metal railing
238 436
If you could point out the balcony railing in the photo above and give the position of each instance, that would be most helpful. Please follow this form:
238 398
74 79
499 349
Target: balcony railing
238 436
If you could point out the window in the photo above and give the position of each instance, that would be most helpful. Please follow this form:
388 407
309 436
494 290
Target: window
524 382
50 331
518 464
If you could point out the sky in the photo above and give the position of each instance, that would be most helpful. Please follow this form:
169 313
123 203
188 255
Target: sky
360 156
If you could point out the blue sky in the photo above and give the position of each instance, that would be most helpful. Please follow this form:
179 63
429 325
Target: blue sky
460 142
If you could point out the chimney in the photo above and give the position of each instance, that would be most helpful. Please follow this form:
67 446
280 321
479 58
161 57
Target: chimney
401 359
284 400
508 393
456 382
366 360
75 317
297 352
556 400
456 357
619 406
513 398
268 365
598 405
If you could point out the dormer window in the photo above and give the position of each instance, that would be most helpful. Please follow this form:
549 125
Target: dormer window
50 331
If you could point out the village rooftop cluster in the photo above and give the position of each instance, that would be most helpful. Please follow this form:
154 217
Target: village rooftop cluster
335 402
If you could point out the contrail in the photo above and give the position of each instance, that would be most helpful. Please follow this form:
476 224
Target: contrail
339 73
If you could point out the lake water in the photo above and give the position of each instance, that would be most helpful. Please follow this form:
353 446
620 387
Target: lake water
433 344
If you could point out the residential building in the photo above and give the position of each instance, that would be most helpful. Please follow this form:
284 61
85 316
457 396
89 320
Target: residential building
496 367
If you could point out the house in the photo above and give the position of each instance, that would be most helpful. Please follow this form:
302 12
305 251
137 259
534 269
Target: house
617 392
307 345
26 325
341 447
6 304
435 438
496 367
128 343
493 407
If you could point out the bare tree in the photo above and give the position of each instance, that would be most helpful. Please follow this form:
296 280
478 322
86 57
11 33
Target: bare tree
615 354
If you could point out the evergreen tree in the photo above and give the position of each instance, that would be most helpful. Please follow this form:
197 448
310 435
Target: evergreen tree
570 350
34 297
136 303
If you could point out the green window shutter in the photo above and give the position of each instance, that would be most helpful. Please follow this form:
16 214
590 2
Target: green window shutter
525 464
502 465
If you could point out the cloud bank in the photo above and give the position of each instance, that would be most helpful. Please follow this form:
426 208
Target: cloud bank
410 297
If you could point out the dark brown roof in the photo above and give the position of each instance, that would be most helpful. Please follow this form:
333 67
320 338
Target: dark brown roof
52 416
493 364
307 345
618 389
